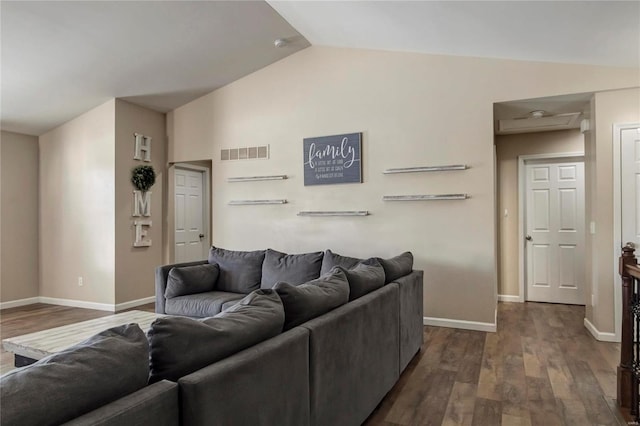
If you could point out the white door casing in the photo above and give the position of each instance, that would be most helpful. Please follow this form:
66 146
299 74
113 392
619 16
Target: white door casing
630 185
625 170
554 221
190 230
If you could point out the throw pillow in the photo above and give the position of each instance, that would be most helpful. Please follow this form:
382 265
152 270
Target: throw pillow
294 269
181 345
364 278
77 380
191 280
312 299
397 267
240 271
332 259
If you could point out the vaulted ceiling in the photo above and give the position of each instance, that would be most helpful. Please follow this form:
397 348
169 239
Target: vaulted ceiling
61 58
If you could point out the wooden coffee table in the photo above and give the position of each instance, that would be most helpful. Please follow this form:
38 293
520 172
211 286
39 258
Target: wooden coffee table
31 347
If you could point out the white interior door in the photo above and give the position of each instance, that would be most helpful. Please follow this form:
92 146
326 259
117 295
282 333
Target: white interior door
554 226
630 183
189 216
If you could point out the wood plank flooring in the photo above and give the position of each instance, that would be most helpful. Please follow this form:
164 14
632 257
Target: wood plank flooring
542 367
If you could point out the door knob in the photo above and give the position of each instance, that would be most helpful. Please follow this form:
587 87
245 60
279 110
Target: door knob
528 238
201 236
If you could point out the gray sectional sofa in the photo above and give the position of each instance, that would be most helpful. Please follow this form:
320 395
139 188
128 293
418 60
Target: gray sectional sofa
266 338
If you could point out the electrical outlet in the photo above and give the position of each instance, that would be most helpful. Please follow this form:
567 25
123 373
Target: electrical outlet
80 282
593 300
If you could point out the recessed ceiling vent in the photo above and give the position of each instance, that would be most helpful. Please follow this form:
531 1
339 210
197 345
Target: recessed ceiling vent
538 121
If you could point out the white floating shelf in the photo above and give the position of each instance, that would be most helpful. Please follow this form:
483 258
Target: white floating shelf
425 197
255 178
426 169
334 213
254 202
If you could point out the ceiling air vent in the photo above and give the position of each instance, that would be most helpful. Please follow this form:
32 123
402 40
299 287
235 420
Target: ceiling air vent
538 121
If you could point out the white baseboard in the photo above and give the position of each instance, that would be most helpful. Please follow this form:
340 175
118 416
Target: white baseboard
465 325
77 303
509 298
134 303
599 335
19 302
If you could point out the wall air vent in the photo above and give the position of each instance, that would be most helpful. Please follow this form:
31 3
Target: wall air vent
245 153
538 123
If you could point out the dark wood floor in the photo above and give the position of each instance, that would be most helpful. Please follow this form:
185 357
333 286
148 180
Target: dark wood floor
542 367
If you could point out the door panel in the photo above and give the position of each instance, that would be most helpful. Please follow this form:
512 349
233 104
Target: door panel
189 214
630 182
554 218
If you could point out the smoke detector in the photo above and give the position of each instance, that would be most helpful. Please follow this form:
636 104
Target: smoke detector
280 42
537 113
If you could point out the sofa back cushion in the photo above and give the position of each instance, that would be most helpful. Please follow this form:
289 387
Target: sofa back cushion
397 267
191 280
77 380
294 269
240 271
180 345
314 298
332 259
364 278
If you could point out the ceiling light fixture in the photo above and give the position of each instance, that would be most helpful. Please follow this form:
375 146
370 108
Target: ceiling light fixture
280 42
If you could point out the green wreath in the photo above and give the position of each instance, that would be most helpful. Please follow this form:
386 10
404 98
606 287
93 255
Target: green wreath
143 177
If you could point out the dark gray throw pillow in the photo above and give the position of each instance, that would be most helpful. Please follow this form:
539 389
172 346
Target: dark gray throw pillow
294 269
77 380
364 278
191 280
312 299
397 267
332 259
181 345
240 271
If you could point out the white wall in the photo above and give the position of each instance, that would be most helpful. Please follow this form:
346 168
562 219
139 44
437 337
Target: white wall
19 258
77 208
413 110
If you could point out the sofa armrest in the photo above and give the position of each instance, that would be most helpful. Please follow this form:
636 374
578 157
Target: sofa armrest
266 384
162 274
411 315
156 405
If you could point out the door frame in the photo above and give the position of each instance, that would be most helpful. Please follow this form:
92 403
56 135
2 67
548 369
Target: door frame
617 224
522 185
206 206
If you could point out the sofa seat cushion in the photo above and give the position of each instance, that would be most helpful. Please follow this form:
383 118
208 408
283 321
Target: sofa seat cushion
191 280
314 298
180 346
240 271
200 305
294 269
364 278
331 259
398 266
77 380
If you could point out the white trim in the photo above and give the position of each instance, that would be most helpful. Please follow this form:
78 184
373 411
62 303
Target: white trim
19 302
133 303
509 298
462 324
599 335
77 303
522 159
617 225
